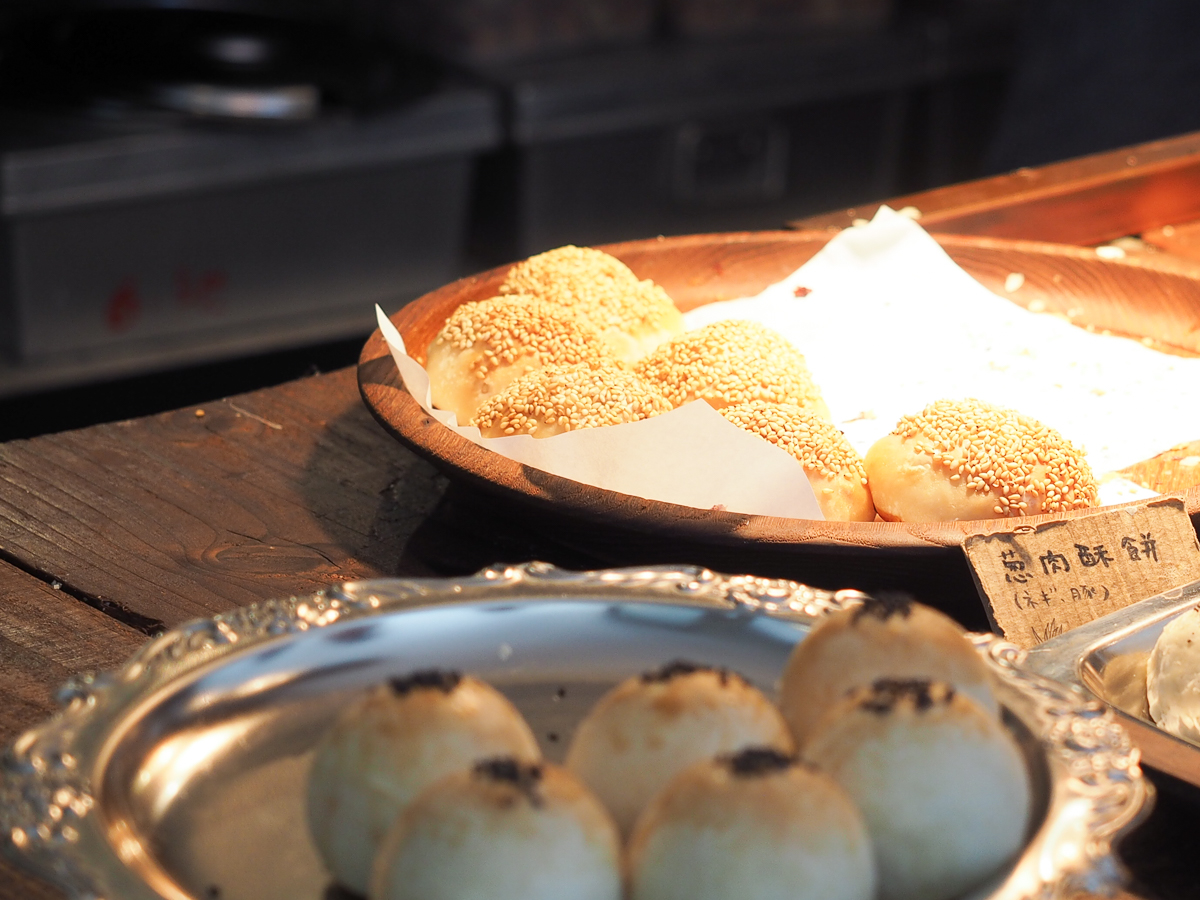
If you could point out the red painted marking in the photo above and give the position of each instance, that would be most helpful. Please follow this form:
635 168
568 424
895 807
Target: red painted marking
202 292
802 291
212 281
124 306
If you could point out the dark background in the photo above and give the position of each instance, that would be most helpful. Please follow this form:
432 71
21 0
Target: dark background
616 119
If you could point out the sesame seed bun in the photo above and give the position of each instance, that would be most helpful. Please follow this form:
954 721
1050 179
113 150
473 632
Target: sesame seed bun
833 466
555 399
391 745
633 316
650 727
732 362
752 825
885 637
506 830
486 345
941 784
965 459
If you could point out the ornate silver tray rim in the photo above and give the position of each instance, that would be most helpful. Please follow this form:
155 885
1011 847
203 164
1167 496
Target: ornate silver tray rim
49 821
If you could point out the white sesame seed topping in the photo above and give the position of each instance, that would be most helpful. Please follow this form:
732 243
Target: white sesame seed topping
732 362
566 398
598 287
814 441
507 328
1005 452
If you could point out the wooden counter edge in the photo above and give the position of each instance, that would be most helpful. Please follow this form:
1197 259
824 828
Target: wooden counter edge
1085 201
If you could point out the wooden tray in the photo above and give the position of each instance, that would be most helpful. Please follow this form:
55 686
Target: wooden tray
1144 297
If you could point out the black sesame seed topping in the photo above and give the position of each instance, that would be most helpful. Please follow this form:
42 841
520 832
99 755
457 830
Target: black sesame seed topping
756 761
680 667
887 693
525 777
426 679
671 670
883 605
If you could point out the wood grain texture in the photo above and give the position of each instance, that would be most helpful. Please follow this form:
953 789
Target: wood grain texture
1182 239
1158 299
46 636
1083 201
170 517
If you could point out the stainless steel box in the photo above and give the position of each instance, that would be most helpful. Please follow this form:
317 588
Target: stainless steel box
183 243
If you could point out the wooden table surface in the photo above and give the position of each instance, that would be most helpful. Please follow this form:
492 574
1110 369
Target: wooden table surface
112 533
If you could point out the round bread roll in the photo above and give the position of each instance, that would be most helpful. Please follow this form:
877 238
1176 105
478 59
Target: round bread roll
732 362
755 825
391 745
650 727
1173 677
834 468
486 345
964 459
555 399
505 830
633 316
888 636
941 784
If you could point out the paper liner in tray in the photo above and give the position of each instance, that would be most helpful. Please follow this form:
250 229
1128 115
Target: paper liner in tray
691 456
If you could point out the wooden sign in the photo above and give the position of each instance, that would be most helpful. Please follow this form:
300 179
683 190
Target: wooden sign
1039 581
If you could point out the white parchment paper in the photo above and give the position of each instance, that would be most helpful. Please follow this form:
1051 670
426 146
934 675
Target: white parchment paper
889 324
692 455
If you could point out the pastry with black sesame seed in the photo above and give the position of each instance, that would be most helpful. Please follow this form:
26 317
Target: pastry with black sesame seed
755 824
648 728
965 459
506 829
392 744
487 344
555 399
885 636
632 315
941 784
731 362
833 466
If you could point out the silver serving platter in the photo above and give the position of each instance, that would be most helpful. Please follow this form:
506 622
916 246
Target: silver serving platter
1108 659
181 774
